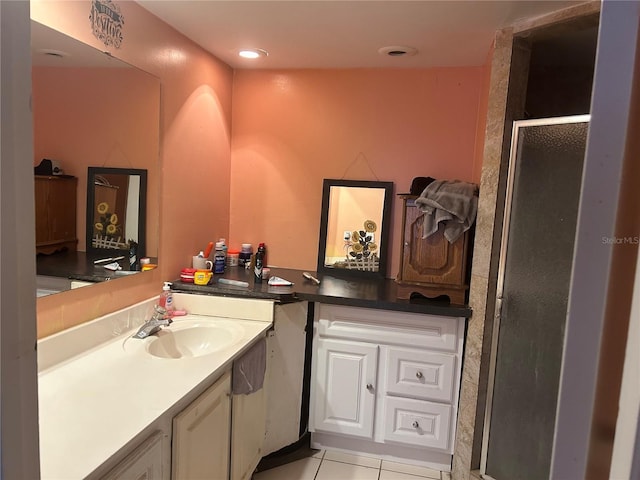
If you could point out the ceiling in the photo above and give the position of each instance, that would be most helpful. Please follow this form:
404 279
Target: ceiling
50 48
347 34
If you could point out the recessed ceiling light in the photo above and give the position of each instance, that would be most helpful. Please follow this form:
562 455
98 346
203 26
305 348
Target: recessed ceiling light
398 51
253 53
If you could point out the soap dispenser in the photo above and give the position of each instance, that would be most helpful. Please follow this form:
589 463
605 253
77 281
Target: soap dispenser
166 297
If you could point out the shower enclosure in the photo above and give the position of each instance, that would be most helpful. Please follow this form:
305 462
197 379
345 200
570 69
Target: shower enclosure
543 191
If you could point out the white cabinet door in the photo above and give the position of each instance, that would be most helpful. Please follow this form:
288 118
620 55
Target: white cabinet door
345 387
247 435
284 376
144 463
201 435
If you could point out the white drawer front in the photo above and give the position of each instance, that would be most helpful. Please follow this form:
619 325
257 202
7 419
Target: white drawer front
420 374
389 327
416 422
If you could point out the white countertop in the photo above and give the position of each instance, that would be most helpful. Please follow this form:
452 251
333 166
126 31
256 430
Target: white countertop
93 404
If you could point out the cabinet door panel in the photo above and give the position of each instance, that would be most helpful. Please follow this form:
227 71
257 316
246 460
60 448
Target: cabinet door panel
247 437
432 259
417 422
144 463
420 374
345 387
201 435
55 210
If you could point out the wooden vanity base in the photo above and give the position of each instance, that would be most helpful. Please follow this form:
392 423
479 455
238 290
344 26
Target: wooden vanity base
456 294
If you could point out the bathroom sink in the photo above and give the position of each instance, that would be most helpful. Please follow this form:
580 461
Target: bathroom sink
188 339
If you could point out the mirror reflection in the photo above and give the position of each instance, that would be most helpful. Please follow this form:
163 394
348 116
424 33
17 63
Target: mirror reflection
116 203
354 227
91 109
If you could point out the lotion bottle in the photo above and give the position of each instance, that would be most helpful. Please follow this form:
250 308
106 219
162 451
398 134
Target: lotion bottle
166 297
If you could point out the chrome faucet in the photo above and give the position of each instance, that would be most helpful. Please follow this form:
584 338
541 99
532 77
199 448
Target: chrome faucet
159 319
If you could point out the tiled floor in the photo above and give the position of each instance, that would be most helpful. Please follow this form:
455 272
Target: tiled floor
327 465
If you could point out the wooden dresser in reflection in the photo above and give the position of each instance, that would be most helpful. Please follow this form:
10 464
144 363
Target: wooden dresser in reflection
431 266
55 202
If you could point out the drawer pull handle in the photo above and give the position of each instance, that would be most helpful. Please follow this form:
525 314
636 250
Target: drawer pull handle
415 424
418 374
369 387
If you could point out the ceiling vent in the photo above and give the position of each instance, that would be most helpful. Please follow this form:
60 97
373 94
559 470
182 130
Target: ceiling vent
398 51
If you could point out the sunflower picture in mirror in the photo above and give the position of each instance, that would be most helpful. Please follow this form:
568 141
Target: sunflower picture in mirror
107 232
362 250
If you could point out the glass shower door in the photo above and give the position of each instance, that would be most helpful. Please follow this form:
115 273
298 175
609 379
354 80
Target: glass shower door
543 191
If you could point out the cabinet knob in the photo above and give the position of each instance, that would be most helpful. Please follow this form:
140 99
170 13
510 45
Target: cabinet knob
369 387
406 244
415 424
418 374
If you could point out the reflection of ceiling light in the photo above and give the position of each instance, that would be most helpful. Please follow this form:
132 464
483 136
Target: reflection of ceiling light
253 53
398 51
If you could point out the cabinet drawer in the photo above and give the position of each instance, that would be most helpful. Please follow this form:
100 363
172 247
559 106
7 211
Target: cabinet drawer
417 422
420 374
389 327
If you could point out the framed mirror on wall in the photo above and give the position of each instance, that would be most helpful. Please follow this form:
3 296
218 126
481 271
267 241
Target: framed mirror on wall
354 228
116 209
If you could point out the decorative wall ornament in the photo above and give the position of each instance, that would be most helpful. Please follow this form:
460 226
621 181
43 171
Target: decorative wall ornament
107 22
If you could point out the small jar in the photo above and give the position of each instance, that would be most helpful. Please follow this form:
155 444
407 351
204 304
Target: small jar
233 258
244 258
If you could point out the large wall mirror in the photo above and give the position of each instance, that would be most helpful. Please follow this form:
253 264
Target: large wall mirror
354 227
93 110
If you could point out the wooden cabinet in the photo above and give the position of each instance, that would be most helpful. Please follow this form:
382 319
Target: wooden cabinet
431 266
386 383
201 435
55 205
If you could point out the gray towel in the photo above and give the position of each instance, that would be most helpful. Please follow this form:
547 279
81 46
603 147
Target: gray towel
248 370
453 203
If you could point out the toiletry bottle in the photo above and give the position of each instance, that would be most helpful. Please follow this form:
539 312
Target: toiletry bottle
133 256
257 270
166 297
244 259
219 258
225 248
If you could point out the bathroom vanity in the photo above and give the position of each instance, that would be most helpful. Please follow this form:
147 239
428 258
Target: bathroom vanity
384 378
111 406
386 383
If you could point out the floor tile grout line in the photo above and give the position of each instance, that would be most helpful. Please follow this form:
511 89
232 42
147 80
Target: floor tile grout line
354 464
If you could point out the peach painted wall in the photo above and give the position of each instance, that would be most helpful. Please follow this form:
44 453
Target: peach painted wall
78 120
195 127
293 128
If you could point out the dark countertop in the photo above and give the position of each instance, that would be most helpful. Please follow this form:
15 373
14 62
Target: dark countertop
80 266
355 292
349 291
